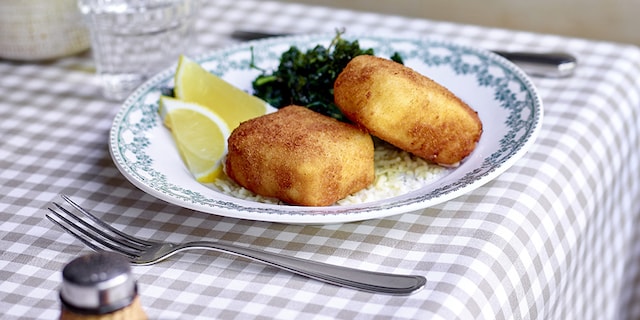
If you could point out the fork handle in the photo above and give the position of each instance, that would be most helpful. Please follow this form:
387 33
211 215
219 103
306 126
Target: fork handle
370 281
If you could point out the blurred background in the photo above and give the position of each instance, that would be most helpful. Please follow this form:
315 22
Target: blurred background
609 20
46 29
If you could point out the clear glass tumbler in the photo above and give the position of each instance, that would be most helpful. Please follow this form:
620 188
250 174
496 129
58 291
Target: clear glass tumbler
133 39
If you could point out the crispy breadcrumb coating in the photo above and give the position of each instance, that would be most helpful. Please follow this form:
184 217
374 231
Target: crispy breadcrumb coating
407 109
300 157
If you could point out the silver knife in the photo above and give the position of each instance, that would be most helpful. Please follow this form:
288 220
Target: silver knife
541 64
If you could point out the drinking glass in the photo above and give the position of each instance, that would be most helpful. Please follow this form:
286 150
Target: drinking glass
133 39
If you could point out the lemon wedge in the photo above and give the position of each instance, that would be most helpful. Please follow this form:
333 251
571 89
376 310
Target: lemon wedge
200 135
195 84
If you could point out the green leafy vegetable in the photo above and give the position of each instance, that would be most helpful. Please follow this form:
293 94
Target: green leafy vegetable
306 78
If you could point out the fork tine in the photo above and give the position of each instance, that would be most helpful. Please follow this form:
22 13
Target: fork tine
71 231
111 241
84 230
104 224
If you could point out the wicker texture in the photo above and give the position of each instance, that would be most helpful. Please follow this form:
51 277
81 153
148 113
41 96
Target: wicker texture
41 29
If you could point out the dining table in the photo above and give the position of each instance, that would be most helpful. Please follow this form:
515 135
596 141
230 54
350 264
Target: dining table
556 235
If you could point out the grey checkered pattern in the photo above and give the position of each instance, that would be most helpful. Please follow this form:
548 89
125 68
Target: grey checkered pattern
557 236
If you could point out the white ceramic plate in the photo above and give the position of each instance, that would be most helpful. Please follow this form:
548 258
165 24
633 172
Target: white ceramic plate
503 96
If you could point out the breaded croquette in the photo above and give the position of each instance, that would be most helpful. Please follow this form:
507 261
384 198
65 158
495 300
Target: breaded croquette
300 157
409 110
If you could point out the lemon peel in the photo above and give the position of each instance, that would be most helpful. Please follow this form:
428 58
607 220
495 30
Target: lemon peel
200 136
193 83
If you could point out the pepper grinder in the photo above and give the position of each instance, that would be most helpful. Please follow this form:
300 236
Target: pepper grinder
99 286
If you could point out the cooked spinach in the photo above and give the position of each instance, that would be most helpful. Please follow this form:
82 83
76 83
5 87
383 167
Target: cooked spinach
306 78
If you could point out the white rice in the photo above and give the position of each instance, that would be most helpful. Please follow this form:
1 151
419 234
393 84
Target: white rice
396 173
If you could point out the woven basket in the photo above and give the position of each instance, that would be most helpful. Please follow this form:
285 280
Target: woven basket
41 29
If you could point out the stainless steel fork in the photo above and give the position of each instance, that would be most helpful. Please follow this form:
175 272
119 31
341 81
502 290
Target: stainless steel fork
100 236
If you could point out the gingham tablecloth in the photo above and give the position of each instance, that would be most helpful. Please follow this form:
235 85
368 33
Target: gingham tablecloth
557 236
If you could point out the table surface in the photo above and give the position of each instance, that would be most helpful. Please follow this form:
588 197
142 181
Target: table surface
556 236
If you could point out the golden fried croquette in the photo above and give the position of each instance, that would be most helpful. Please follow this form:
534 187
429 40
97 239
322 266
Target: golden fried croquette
300 157
407 109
